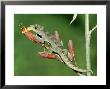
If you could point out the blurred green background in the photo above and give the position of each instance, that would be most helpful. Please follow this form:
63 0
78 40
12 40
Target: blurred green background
26 60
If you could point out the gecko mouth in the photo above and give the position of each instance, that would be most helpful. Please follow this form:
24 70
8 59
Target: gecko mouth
24 30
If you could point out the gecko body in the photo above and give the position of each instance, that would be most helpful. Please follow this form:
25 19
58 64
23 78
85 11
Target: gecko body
54 47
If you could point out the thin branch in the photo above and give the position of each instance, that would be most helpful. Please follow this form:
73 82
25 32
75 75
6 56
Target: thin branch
74 17
87 37
93 29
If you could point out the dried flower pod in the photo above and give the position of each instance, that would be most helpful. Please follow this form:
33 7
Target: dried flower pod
47 55
71 50
57 36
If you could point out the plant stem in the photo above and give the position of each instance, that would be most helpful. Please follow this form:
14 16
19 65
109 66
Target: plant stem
87 37
74 17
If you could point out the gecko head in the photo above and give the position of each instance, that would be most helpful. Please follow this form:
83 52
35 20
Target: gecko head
34 29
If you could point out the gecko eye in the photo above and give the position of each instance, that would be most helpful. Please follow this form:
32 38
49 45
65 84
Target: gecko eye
39 35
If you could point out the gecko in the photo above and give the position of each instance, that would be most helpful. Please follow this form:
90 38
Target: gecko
53 46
